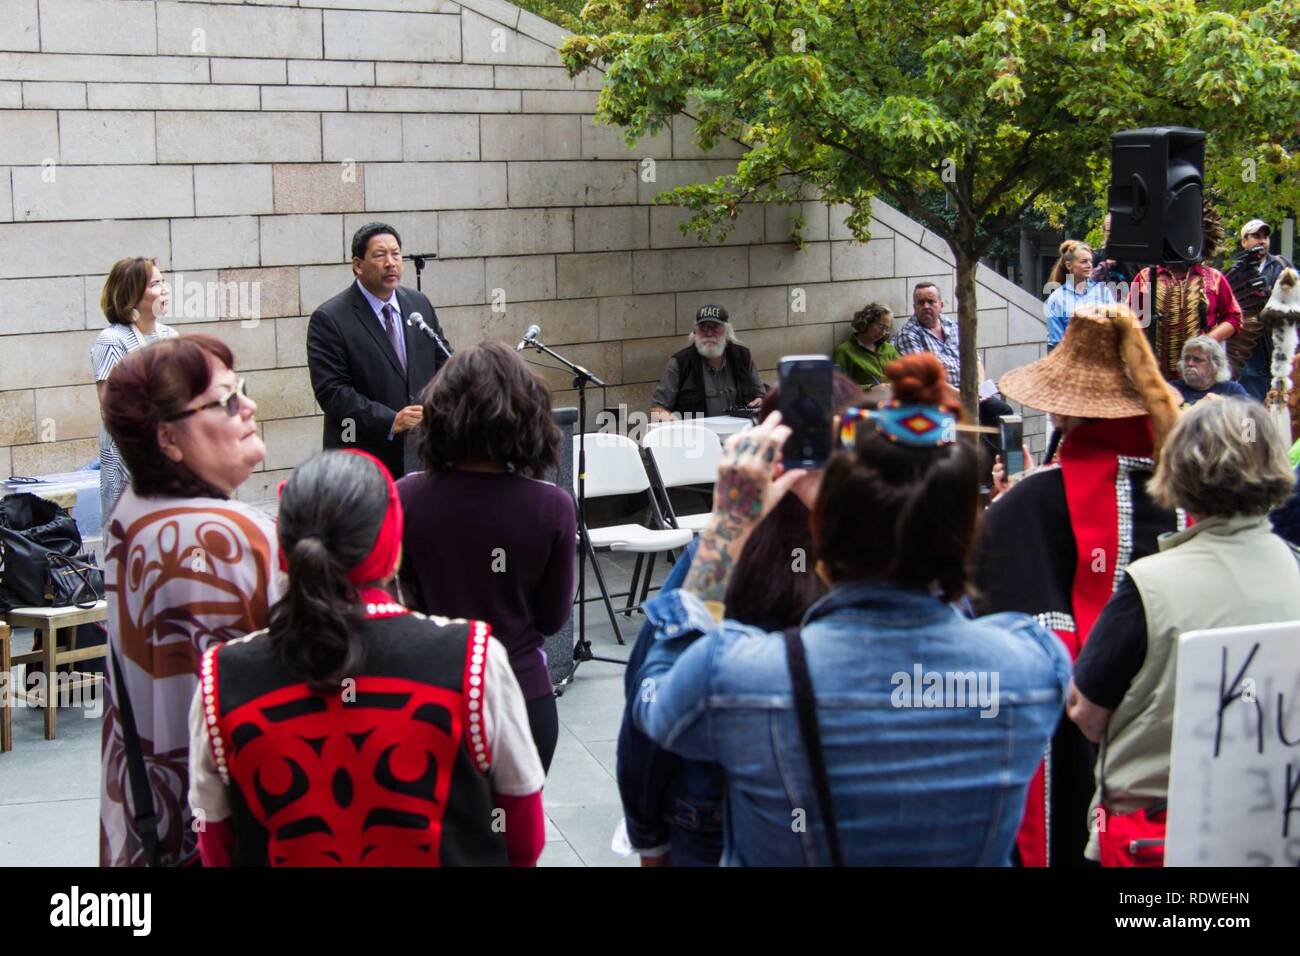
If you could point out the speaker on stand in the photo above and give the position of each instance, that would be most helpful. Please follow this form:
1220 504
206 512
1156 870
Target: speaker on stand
1155 197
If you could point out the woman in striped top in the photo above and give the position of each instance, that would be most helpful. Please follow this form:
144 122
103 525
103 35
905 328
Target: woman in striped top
134 296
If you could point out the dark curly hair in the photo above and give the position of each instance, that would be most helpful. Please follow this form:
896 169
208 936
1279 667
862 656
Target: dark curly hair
869 315
485 403
150 386
898 513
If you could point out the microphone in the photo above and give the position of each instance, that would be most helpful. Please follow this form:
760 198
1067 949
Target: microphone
530 336
416 319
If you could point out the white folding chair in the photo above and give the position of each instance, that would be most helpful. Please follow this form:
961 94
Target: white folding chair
614 468
682 454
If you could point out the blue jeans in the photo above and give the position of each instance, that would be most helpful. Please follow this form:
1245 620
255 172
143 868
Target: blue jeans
667 799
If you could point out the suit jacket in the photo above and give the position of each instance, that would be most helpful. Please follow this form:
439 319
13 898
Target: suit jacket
358 378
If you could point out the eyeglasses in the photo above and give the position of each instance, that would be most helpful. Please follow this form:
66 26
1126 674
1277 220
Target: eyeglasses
231 403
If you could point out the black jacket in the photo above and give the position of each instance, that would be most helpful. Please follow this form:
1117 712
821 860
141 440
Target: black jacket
690 386
357 377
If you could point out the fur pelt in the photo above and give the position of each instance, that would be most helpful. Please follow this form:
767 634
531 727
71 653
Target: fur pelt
1142 370
1280 317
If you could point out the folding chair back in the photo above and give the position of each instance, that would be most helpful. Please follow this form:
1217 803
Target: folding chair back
685 453
614 466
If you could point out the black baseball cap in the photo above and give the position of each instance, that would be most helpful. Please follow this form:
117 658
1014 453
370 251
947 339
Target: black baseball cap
711 313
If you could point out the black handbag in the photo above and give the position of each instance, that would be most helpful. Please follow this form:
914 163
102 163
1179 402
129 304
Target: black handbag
31 529
70 581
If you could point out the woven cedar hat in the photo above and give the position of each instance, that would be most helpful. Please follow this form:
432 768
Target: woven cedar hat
1103 368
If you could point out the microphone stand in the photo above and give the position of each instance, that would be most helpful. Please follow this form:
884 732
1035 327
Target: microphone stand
581 379
419 258
410 456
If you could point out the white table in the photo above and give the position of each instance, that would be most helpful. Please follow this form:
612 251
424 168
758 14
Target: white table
723 426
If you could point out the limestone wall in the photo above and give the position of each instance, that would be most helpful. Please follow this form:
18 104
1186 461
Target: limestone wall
242 144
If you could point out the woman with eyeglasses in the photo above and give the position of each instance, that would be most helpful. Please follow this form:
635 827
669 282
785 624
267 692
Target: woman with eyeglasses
187 567
134 297
887 729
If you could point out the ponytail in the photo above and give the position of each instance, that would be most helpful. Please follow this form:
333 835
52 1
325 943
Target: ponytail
321 606
1068 250
331 510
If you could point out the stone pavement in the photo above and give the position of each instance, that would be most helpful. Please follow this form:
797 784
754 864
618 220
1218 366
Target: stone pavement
49 789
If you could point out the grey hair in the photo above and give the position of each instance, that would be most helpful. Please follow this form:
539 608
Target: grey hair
1213 350
1224 457
731 332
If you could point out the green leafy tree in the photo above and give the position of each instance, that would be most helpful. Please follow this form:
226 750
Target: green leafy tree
1006 106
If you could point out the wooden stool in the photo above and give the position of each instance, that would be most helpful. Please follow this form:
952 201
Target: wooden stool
6 693
49 621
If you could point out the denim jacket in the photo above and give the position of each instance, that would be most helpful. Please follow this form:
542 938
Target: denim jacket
668 802
932 724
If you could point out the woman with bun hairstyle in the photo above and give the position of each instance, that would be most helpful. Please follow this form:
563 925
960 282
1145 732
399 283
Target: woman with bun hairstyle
1073 287
846 741
673 807
352 731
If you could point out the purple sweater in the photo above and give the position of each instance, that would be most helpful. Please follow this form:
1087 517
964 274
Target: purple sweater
500 548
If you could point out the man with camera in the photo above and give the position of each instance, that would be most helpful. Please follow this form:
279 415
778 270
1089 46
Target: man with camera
1252 277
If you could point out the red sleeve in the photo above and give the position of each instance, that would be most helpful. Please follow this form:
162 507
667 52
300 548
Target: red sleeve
525 827
216 842
1226 308
1135 291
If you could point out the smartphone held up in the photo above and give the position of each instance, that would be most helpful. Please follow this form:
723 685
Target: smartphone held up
805 407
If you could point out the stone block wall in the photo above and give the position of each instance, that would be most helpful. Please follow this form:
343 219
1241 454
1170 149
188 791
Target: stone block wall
242 144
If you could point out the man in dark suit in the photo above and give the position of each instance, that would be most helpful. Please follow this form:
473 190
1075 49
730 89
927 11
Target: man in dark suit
367 365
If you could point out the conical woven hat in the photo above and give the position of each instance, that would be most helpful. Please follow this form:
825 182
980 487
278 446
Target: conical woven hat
1085 376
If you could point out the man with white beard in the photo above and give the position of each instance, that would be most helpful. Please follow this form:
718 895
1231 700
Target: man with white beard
712 374
1204 371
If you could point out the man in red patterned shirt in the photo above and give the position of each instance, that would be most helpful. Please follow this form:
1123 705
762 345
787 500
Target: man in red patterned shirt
1189 301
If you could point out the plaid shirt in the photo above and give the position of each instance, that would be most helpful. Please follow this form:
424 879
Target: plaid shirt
915 337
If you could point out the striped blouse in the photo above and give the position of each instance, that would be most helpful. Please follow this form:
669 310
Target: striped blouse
110 348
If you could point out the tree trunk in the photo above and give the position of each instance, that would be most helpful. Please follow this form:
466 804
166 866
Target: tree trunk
967 324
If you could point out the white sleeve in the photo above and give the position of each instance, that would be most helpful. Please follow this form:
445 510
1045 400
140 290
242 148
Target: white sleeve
104 355
208 797
516 767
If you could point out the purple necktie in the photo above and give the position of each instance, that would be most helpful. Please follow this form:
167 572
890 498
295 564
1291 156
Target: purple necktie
394 330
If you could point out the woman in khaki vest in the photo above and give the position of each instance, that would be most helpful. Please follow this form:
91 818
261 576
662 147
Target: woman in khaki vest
1226 466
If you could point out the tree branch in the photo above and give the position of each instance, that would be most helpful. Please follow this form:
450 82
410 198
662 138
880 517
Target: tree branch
1015 172
992 230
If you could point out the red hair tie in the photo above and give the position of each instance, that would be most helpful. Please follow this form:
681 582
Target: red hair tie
379 563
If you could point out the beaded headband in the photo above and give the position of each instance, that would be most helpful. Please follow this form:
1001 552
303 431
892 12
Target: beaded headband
920 426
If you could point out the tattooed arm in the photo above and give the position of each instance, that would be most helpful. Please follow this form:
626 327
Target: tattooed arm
750 482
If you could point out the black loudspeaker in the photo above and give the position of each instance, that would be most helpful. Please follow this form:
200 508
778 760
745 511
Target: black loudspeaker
1156 179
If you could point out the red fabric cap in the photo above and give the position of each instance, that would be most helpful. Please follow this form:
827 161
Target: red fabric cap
379 564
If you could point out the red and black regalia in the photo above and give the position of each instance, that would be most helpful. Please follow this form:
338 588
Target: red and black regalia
391 770
1056 545
420 757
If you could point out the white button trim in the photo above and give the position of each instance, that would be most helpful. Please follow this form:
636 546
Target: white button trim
477 740
210 710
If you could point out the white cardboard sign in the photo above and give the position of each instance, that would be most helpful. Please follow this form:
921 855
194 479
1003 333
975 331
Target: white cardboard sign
1234 782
